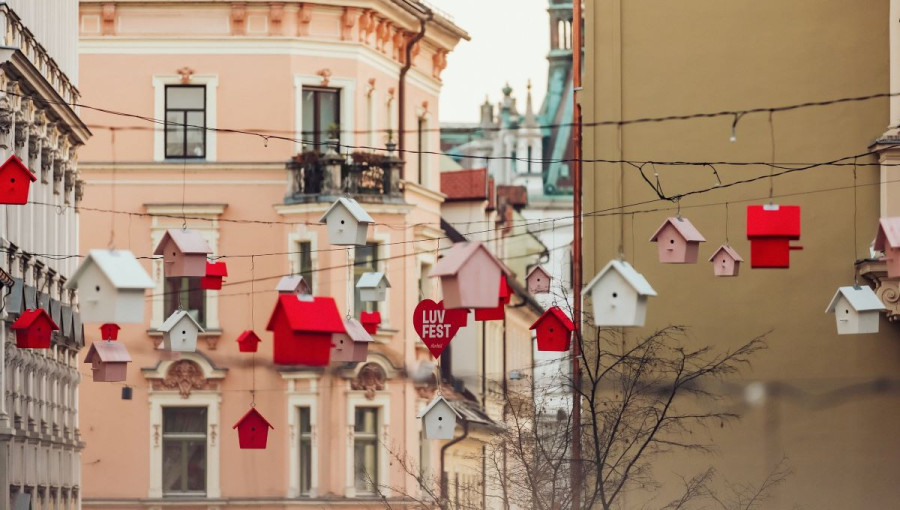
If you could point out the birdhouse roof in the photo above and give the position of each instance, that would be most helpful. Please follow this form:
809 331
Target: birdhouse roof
457 256
248 336
189 242
635 279
727 249
888 235
13 162
685 228
772 220
289 283
176 317
253 413
438 399
356 331
216 269
120 268
30 317
353 207
536 269
370 317
371 280
861 298
108 352
557 313
319 314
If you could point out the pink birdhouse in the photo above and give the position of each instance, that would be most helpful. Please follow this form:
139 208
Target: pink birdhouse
678 241
463 270
302 330
554 329
33 329
253 430
15 179
109 361
538 280
496 313
353 345
109 331
726 261
184 252
215 271
248 341
887 240
770 229
370 321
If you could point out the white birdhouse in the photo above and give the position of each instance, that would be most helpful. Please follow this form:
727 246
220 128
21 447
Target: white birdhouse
856 309
372 286
439 419
184 252
619 295
352 345
293 285
467 271
180 332
111 286
538 280
348 223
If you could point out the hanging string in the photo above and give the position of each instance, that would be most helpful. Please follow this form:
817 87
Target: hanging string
253 328
621 192
853 244
726 223
183 192
772 169
350 267
112 217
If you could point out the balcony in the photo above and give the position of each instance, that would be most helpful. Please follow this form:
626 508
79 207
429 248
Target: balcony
366 176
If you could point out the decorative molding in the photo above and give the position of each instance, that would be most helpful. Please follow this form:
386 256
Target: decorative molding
370 378
348 21
887 289
276 16
304 16
184 376
239 18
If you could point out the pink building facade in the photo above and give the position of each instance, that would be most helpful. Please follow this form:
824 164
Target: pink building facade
320 83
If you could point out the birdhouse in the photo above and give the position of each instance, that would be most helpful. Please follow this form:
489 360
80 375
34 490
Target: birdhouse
439 419
497 313
109 331
887 240
109 361
184 252
373 286
538 280
253 430
856 309
111 285
248 341
678 241
770 228
619 295
180 332
293 285
33 329
554 330
215 271
348 223
726 261
15 179
302 330
370 321
353 344
463 271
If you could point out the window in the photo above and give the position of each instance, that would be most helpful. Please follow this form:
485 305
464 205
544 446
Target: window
304 259
184 450
305 451
365 449
365 261
321 117
185 121
185 293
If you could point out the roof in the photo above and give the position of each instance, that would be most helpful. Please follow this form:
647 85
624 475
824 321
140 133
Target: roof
555 311
537 268
772 220
248 335
492 195
29 317
370 317
319 314
861 298
729 250
188 242
889 232
684 227
108 352
120 268
253 412
635 279
175 318
356 331
216 269
458 255
353 207
434 402
15 162
516 196
370 280
459 185
289 283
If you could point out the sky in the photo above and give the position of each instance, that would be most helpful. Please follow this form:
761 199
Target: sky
510 42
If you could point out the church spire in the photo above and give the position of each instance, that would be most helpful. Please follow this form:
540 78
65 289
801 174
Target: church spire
530 119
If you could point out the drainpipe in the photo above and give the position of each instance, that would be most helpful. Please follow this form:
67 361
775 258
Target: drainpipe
444 488
401 86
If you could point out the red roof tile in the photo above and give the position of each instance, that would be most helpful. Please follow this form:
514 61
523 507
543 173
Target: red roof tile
516 196
465 184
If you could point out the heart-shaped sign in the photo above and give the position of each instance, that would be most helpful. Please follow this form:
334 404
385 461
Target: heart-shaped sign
437 326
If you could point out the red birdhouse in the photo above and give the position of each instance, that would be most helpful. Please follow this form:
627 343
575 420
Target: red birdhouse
253 430
770 228
109 331
215 271
370 321
887 240
15 179
496 313
248 341
33 329
302 330
554 329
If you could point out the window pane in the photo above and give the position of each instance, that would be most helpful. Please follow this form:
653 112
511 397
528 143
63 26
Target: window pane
309 117
185 97
328 112
366 465
366 420
174 134
185 293
304 421
196 466
173 480
305 250
196 136
365 261
184 419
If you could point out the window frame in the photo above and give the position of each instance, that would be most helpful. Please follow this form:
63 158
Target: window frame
358 398
185 438
367 438
305 436
320 138
195 295
184 124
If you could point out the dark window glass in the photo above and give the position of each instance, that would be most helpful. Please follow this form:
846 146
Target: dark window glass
321 117
365 449
366 261
185 121
305 259
305 451
184 450
184 292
